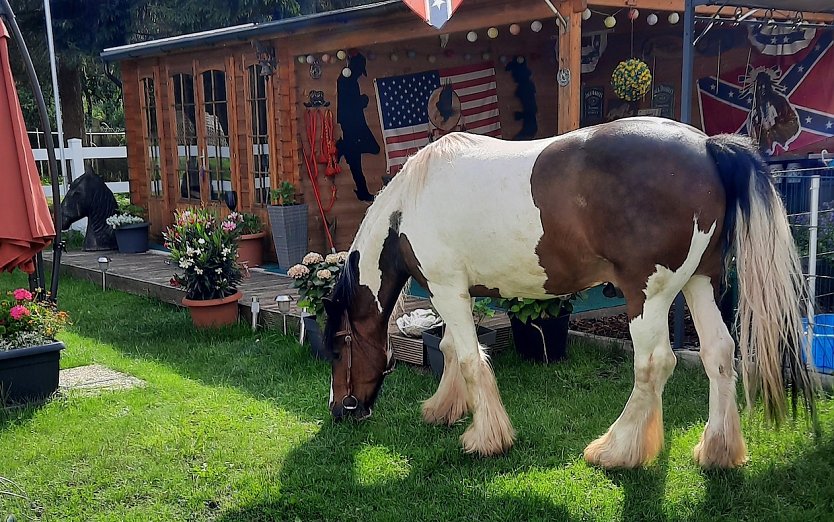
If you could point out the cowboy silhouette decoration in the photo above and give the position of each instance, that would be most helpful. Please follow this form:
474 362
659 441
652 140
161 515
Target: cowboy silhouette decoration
357 138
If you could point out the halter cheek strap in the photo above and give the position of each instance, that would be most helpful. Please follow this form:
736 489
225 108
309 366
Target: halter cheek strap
349 401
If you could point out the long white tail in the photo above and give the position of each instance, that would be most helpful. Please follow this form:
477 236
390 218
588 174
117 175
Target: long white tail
771 288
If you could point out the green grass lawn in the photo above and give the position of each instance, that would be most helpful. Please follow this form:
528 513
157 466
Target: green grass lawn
233 426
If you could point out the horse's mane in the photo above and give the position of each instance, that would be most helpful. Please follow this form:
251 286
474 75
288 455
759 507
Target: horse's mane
102 203
399 195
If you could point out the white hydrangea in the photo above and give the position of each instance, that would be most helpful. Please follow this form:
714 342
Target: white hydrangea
333 259
298 271
343 256
312 258
324 274
119 220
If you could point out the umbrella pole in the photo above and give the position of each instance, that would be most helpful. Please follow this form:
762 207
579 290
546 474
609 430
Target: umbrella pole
8 15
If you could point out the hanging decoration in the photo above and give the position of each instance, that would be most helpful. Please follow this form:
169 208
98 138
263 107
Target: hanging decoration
631 79
472 36
784 40
674 18
434 12
651 19
586 14
536 26
492 32
357 138
610 22
526 93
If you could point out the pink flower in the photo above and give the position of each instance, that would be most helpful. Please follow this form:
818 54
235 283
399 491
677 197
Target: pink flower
228 226
18 311
21 294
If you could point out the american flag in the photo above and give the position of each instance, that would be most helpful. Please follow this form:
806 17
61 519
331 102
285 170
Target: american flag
403 107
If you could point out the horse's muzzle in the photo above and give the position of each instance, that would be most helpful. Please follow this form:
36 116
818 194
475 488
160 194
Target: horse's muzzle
340 412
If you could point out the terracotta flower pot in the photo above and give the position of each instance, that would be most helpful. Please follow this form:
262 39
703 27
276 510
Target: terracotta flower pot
250 249
213 312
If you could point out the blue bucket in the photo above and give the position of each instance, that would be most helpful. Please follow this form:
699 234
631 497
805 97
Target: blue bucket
822 351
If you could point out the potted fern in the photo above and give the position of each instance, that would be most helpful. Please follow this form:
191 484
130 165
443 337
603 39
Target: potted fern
288 221
540 327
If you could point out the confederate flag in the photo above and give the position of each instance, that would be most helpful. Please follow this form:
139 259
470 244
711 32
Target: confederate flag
783 102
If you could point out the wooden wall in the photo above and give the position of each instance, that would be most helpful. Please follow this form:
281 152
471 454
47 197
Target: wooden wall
348 211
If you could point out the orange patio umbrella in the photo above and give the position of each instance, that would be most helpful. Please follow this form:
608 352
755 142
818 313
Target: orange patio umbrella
26 226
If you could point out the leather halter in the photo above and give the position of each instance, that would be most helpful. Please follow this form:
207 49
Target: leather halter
349 401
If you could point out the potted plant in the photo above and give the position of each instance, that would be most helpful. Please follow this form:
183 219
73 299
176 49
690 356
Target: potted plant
486 336
205 249
288 221
540 327
250 246
315 278
29 353
130 227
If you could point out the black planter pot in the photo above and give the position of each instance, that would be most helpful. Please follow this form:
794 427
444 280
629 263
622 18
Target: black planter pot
431 342
29 374
541 340
132 239
313 336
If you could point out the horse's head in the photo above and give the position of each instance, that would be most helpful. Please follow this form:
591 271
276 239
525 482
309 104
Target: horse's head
88 196
356 340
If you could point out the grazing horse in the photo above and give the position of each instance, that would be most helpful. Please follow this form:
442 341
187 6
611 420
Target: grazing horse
89 196
651 205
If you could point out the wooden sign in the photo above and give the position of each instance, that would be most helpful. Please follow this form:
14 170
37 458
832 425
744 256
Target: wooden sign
593 105
663 98
434 12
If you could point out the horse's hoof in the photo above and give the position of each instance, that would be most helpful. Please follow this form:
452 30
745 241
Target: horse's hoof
716 452
489 444
603 453
443 415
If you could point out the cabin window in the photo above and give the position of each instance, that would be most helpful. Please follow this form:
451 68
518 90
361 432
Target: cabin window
152 166
218 155
259 135
188 167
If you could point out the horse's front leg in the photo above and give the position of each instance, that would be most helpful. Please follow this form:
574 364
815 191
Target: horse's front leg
448 404
490 432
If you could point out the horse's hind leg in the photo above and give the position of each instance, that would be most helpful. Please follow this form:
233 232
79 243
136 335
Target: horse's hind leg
448 404
722 444
636 437
490 432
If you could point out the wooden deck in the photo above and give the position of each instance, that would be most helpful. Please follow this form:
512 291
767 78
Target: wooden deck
149 275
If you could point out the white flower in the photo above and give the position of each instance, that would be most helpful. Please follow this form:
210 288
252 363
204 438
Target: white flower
226 251
119 220
312 258
201 241
333 259
298 271
343 256
324 274
219 270
184 263
198 270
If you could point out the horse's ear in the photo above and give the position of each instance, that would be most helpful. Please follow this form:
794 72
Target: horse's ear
330 306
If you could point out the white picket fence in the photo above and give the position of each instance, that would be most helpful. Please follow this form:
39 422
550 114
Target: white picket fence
75 154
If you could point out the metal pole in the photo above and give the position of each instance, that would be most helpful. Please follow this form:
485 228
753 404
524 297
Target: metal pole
6 10
812 247
686 117
58 118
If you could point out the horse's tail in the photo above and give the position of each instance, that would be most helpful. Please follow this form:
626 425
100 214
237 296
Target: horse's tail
771 287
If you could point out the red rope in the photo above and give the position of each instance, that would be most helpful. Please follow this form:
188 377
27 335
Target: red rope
311 120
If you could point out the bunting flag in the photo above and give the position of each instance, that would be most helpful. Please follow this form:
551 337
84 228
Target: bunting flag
782 102
404 107
780 40
434 12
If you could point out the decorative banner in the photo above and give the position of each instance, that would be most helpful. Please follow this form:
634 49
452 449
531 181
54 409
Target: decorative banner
593 45
783 102
406 104
593 105
663 98
434 12
780 40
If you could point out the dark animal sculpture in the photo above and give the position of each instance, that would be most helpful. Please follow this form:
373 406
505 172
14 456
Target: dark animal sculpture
357 138
526 93
650 205
90 197
445 102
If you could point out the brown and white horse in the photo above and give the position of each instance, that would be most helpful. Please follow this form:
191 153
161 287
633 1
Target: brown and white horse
654 206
